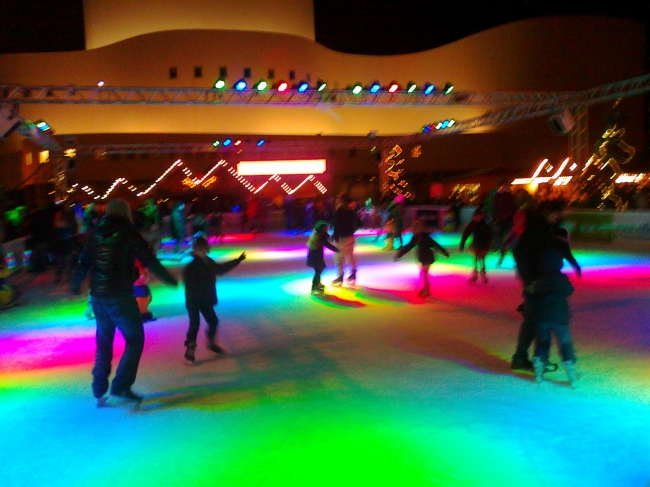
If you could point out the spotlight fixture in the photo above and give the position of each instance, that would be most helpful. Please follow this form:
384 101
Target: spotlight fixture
227 142
374 87
281 86
238 142
302 86
393 87
428 88
261 85
241 85
320 85
448 88
220 84
43 126
216 143
260 142
357 88
411 87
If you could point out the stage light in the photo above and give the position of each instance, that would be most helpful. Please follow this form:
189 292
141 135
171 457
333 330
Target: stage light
303 86
260 142
393 87
261 85
411 87
216 143
100 83
357 88
267 168
445 124
448 88
374 87
227 142
320 85
238 142
451 123
428 88
43 126
220 84
281 86
241 85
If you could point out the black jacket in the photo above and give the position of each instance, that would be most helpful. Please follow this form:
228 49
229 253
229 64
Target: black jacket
344 222
426 245
200 278
110 253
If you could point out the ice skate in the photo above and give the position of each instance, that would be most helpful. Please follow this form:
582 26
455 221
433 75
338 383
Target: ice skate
571 372
338 281
424 292
101 402
484 277
539 368
126 395
318 291
473 277
189 356
212 345
352 278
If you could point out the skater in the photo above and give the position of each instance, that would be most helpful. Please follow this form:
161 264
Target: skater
549 294
178 223
481 242
344 224
315 259
200 278
425 245
142 292
109 255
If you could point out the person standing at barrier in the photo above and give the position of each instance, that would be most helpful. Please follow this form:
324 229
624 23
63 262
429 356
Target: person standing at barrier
344 224
109 256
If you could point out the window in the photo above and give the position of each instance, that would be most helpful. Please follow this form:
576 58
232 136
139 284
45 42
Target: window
173 73
271 73
247 72
198 71
223 71
292 74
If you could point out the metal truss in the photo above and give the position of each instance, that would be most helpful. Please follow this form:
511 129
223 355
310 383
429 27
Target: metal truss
579 149
94 95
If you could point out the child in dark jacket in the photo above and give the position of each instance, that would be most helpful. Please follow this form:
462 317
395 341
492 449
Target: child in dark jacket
425 245
482 231
200 278
315 259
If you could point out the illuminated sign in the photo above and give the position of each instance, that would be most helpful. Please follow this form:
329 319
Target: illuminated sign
268 168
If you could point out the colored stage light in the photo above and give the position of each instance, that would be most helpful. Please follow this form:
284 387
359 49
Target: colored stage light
451 123
238 142
268 168
261 85
241 85
227 142
260 142
281 86
220 84
302 86
43 126
320 85
357 88
448 88
216 143
374 87
393 87
411 87
428 88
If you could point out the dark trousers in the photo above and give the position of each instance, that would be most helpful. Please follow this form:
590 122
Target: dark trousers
121 313
316 280
527 331
207 310
563 336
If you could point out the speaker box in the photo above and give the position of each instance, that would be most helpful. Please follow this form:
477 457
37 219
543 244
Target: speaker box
562 123
8 122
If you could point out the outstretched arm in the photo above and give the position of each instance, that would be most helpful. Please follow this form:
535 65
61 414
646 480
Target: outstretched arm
221 269
148 259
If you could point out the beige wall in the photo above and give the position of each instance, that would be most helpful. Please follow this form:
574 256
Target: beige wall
108 22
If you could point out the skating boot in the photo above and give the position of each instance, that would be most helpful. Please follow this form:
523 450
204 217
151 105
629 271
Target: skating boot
474 277
127 395
424 292
484 277
212 345
318 291
352 278
189 353
338 281
571 372
539 368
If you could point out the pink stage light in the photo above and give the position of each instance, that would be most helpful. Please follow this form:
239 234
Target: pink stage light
268 168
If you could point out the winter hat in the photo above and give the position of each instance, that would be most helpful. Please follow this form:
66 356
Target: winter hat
320 224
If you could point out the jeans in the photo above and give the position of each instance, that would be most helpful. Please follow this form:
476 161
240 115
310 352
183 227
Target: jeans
207 310
563 336
527 331
315 283
345 254
121 313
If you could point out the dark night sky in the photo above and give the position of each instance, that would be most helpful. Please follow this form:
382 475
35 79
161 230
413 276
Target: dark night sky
354 26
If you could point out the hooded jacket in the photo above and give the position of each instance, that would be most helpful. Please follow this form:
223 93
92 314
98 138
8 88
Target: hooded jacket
109 255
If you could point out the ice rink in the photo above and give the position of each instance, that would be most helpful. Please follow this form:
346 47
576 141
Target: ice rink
369 385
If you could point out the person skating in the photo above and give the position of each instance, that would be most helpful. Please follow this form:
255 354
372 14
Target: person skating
109 256
315 258
344 224
426 245
200 277
481 242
